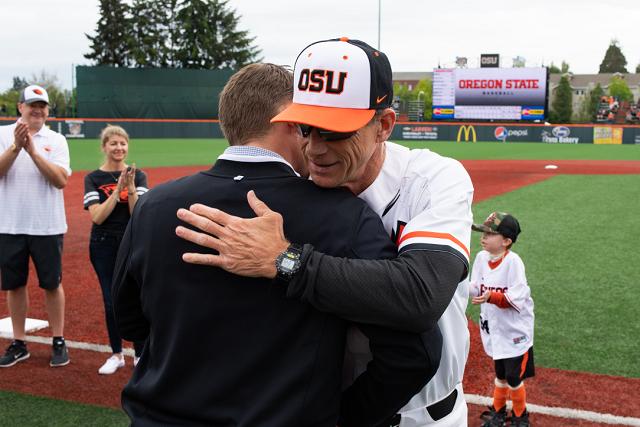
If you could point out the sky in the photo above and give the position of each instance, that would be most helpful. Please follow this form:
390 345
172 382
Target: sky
49 35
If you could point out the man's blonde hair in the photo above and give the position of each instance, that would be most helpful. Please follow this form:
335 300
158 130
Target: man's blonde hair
112 130
251 98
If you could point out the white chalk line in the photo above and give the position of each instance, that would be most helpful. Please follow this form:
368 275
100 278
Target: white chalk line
577 414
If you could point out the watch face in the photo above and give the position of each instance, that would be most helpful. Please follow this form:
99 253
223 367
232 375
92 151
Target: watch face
287 264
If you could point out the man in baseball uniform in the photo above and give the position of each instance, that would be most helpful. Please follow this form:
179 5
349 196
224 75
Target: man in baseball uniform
343 92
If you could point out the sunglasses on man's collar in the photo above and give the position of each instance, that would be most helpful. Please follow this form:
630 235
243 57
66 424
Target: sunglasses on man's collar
327 135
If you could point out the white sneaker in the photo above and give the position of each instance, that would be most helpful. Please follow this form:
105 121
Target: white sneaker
136 359
111 365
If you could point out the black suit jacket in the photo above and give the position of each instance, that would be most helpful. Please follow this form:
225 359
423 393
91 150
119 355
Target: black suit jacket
225 350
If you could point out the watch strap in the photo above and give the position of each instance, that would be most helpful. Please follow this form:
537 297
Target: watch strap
294 252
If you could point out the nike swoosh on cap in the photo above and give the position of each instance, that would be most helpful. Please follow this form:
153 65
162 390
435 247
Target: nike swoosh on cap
379 100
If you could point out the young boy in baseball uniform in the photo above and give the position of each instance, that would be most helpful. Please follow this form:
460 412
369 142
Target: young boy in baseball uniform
499 284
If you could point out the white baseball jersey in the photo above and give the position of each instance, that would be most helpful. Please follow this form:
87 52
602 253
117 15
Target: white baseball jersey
506 332
424 201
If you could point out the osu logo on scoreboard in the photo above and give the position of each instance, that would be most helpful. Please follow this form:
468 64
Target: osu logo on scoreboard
467 131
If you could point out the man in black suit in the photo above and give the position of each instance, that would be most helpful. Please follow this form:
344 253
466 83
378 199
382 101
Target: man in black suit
225 350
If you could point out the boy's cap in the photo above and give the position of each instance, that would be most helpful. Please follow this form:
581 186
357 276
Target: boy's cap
33 93
501 223
338 85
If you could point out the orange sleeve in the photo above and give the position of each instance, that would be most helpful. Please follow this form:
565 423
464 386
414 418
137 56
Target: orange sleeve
499 299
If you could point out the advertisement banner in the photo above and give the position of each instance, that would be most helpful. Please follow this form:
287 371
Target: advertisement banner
559 135
607 135
504 134
631 135
74 128
465 132
420 132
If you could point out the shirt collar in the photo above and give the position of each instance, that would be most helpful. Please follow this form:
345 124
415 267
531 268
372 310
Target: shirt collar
252 154
42 132
386 186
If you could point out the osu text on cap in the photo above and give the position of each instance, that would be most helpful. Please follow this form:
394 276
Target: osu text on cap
321 81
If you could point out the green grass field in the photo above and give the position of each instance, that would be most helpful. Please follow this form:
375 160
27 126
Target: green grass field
578 248
578 244
18 409
86 154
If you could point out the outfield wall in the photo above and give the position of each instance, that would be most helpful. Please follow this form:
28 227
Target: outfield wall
427 131
515 132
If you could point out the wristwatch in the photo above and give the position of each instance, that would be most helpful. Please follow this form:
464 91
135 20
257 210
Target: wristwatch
288 263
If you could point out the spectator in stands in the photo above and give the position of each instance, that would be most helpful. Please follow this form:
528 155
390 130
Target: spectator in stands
34 168
110 193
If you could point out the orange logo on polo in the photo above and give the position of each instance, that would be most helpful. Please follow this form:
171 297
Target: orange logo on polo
379 100
321 81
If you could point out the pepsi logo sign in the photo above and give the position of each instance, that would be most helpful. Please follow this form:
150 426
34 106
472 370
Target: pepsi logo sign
500 133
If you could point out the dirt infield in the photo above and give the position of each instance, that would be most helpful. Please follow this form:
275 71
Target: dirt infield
85 323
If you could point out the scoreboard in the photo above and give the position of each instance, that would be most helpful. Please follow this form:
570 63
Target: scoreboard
490 93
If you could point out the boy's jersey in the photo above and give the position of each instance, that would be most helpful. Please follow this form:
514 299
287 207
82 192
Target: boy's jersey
506 332
424 201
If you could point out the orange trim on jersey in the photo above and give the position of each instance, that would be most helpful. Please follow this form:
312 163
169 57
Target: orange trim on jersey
523 365
494 264
499 299
437 236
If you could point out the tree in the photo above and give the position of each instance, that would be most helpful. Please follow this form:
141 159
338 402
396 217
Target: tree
208 37
152 33
425 86
19 83
614 61
594 102
563 69
562 102
110 45
638 69
58 98
619 89
423 91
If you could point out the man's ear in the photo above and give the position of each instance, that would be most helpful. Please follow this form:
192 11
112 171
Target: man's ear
293 128
387 122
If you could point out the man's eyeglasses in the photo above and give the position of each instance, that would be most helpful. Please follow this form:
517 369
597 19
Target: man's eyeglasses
327 135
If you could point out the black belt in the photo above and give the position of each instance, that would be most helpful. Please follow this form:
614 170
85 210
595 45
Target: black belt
437 411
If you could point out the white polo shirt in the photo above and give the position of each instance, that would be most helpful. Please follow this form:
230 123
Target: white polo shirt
424 201
29 203
506 332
